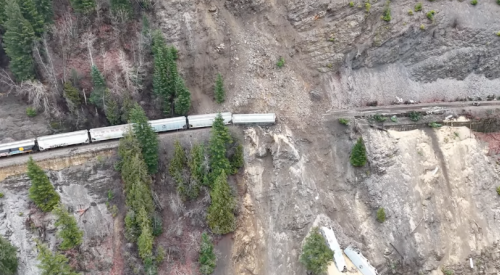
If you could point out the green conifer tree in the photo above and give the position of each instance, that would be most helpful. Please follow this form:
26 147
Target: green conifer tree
147 138
83 6
30 13
160 77
127 105
97 97
197 165
237 160
51 264
179 159
145 240
220 215
44 8
41 191
358 154
72 96
121 8
220 94
18 42
68 229
315 253
207 258
219 140
183 98
112 110
172 73
8 257
3 17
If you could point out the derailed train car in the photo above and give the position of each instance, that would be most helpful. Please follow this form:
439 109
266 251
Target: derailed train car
118 131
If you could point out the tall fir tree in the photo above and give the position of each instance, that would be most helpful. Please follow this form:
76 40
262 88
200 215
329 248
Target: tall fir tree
8 257
68 229
97 97
220 213
220 93
127 105
111 108
45 10
18 42
358 154
30 12
182 100
83 6
147 137
3 3
197 165
179 160
172 73
51 264
160 76
41 191
219 140
207 258
145 240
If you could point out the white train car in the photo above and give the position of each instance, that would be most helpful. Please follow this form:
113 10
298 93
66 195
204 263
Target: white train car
169 124
106 133
60 140
335 247
199 121
254 118
17 147
360 261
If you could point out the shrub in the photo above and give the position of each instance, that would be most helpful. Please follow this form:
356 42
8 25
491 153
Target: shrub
435 125
358 153
315 253
410 12
414 116
379 118
41 192
281 62
344 121
387 12
430 15
498 33
422 27
473 2
418 7
160 255
31 112
447 271
207 258
394 118
498 2
1 195
351 4
381 215
498 190
68 229
8 257
368 6
51 264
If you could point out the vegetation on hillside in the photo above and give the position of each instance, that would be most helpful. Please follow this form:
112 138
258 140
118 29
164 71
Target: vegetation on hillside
220 215
315 253
146 136
53 263
207 258
8 257
68 229
41 192
358 154
220 93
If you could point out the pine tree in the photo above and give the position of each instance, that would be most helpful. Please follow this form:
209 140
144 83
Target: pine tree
146 137
358 154
179 160
237 160
30 12
160 77
220 94
3 3
8 257
72 96
18 42
44 8
219 140
112 110
197 164
172 73
121 8
183 98
127 105
83 6
145 240
97 97
220 213
52 264
68 229
207 258
315 253
41 191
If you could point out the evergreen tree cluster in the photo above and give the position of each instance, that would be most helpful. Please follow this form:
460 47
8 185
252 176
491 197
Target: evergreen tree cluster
315 253
41 192
53 263
207 258
24 21
168 85
83 6
358 153
68 229
102 98
139 201
8 257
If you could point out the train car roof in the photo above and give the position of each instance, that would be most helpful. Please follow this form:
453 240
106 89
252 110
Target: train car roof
62 135
111 127
208 115
20 143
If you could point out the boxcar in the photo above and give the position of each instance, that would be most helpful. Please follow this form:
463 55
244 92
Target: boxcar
106 133
66 139
254 118
199 121
169 124
17 147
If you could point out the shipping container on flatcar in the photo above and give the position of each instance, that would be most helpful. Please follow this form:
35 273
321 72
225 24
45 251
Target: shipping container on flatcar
17 147
199 121
269 118
60 140
169 124
107 133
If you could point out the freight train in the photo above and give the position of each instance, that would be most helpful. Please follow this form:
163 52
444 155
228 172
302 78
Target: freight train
115 132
